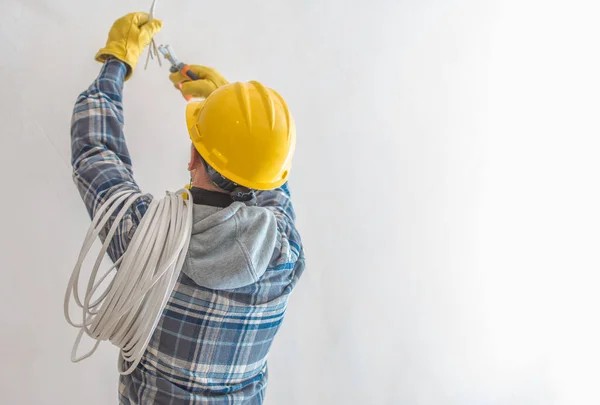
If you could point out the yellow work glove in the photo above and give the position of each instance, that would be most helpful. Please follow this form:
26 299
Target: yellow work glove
209 80
127 39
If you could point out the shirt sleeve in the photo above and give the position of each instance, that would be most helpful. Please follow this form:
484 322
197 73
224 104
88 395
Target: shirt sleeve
100 158
289 244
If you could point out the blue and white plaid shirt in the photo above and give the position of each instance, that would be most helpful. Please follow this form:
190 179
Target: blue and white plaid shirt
210 346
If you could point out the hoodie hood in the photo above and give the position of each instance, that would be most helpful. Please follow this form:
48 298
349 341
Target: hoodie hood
230 247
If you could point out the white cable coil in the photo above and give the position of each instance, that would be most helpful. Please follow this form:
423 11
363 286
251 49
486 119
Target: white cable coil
128 310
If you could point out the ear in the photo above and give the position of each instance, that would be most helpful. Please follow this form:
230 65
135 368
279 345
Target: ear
194 159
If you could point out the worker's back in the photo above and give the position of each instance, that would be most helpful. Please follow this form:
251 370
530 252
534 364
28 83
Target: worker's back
212 343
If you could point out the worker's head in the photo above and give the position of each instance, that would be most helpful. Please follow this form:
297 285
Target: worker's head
243 135
204 176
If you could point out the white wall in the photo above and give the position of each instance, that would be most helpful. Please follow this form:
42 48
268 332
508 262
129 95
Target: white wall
445 181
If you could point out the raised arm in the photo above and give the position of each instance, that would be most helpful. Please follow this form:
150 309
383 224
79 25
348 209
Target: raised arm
100 158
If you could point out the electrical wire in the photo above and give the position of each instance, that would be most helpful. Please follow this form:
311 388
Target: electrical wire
127 311
152 49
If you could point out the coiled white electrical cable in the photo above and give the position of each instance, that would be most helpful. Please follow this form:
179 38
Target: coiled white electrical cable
128 310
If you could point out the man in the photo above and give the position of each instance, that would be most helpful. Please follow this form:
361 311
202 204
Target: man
245 255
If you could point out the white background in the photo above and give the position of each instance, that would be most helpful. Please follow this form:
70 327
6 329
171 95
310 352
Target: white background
446 184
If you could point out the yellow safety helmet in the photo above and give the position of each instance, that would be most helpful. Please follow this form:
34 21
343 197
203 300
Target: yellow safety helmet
246 133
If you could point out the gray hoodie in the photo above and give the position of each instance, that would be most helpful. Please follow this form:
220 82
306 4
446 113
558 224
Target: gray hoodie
230 247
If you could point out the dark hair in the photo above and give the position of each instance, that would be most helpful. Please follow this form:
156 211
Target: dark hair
237 192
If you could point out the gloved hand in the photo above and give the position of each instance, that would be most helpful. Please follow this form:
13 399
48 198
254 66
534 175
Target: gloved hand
127 39
209 81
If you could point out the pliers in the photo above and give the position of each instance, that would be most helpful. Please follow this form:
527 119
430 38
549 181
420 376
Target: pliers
177 66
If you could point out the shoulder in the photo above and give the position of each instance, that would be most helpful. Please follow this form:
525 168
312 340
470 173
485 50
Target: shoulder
260 225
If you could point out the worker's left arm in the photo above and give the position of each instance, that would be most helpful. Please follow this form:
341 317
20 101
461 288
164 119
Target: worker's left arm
100 158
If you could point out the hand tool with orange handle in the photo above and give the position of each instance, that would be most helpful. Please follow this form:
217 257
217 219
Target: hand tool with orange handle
177 66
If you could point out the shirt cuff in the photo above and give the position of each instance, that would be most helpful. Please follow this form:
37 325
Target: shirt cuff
114 69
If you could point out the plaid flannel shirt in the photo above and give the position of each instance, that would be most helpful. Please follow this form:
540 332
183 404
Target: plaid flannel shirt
210 346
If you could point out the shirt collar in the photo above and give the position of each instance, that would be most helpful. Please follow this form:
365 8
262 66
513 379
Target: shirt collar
211 198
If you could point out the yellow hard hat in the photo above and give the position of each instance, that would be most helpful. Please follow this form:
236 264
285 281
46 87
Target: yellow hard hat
246 133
